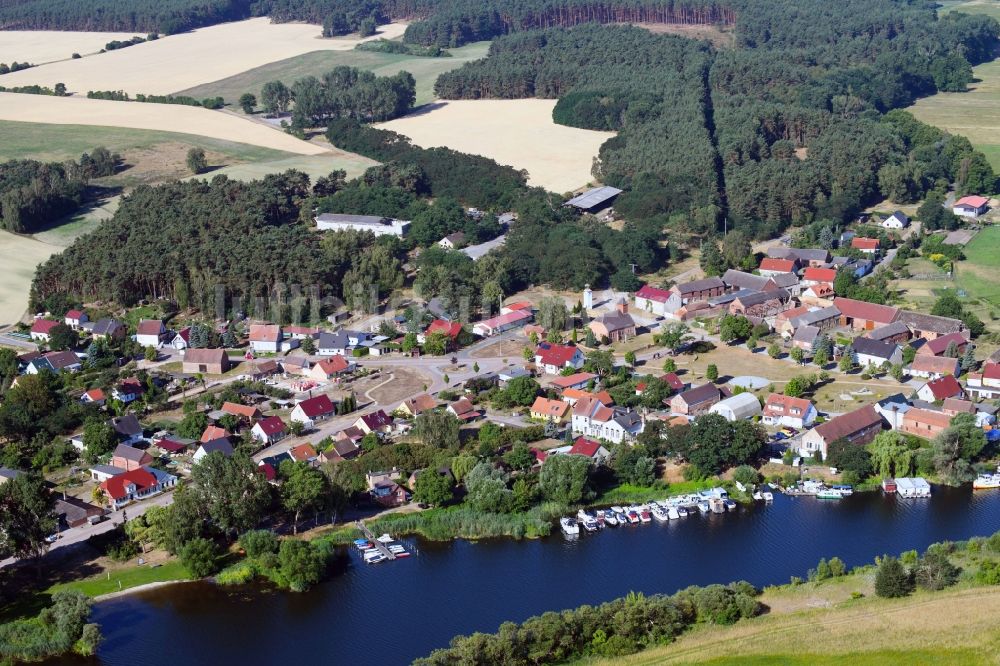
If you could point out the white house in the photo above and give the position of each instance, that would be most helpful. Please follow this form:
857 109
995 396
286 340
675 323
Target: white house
220 445
661 302
317 408
75 319
897 220
41 329
783 410
875 353
595 420
552 358
970 206
500 323
150 332
265 338
740 406
380 226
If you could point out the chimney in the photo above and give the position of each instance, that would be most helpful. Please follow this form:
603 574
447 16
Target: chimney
623 306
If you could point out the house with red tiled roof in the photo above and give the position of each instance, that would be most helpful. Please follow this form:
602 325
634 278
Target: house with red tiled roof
589 448
938 346
661 302
770 266
150 332
303 453
819 295
864 316
94 397
546 409
265 338
986 384
214 432
577 380
269 430
932 367
937 390
246 413
464 410
812 276
783 410
552 358
377 421
42 328
571 395
417 405
450 329
858 427
75 319
136 484
330 368
520 306
866 245
315 409
924 423
500 323
970 206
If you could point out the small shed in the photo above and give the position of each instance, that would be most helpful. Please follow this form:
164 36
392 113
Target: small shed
740 406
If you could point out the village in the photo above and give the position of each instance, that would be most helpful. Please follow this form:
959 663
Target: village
578 378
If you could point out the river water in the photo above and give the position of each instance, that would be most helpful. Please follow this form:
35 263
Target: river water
396 611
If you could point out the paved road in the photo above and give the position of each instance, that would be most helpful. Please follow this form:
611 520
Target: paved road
20 343
77 535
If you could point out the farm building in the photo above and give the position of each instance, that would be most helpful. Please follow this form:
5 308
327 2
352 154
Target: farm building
206 361
380 226
740 406
970 206
594 199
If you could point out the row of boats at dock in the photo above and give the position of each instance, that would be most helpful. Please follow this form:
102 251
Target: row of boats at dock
715 500
380 549
988 481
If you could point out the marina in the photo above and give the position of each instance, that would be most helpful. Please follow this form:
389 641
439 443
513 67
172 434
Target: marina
378 549
443 589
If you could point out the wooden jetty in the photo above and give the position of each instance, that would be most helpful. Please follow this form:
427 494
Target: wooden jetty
379 546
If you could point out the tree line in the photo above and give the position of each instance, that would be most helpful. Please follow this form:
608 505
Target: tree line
165 17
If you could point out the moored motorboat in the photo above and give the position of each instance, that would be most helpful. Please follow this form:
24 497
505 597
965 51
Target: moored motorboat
829 493
645 516
659 513
672 513
986 482
703 507
633 517
730 504
682 512
768 496
569 526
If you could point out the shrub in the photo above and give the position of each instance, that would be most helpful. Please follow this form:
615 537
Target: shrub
199 557
892 579
258 542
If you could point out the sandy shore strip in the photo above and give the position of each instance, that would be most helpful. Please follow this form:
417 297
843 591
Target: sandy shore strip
140 588
178 62
168 117
519 133
41 46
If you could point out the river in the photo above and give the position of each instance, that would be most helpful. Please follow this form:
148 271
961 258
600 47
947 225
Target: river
396 611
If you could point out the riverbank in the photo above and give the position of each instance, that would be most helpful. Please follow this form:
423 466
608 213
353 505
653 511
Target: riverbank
939 605
955 627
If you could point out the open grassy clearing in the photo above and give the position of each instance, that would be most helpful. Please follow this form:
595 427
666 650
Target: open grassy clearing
718 36
19 255
63 232
188 59
41 46
314 166
424 70
519 133
53 143
952 627
974 114
222 126
988 7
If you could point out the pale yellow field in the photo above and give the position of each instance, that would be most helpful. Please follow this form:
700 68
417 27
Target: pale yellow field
168 117
519 133
42 46
19 255
186 60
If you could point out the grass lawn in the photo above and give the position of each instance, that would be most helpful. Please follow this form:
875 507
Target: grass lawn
977 275
974 114
313 166
66 230
988 7
108 582
317 63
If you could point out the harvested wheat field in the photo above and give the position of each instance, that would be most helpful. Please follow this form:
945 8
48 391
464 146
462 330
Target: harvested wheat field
166 117
519 133
174 63
41 46
19 255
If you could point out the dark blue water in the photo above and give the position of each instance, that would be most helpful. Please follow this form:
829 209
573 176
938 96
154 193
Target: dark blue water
396 611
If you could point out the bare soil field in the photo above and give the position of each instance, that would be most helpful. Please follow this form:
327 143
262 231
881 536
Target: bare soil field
519 133
174 63
405 382
312 165
41 46
719 37
166 117
19 255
